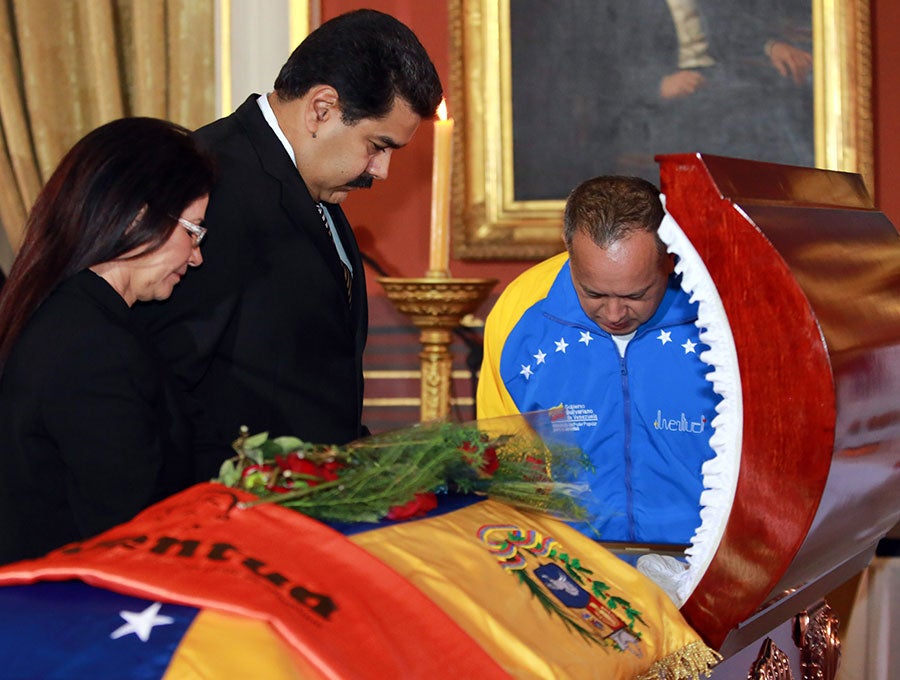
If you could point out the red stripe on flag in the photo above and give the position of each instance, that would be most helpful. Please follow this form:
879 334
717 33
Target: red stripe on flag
344 610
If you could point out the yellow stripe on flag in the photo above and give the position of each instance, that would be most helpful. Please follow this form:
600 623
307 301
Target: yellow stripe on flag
465 562
220 645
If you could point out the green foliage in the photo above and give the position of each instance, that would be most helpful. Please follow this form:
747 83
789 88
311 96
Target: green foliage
363 480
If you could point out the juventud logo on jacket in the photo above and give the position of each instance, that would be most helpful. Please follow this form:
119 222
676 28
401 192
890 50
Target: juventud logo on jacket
679 424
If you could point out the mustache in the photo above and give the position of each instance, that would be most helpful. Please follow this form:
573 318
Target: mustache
364 181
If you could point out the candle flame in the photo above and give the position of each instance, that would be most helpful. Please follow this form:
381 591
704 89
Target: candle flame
442 109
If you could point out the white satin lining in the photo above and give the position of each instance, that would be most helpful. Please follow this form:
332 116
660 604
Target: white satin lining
720 473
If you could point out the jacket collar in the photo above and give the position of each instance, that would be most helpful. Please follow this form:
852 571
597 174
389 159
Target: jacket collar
100 291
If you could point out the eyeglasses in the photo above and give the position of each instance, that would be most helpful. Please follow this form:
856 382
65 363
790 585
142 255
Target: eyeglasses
195 230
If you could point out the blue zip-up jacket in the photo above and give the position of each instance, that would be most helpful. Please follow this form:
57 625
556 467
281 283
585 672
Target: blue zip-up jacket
644 419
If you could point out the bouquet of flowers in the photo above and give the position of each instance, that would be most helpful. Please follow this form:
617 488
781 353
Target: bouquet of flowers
396 475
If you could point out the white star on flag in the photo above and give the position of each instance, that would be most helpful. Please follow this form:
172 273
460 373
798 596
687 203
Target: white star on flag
141 623
561 345
526 371
664 337
585 338
540 356
689 346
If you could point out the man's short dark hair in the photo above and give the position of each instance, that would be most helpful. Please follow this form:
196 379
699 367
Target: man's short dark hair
371 59
610 207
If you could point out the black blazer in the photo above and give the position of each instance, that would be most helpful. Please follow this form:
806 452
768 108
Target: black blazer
90 430
261 334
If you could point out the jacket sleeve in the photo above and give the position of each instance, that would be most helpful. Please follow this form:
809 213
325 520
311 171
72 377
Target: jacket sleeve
492 398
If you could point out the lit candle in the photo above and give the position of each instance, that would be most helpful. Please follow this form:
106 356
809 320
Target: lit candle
439 252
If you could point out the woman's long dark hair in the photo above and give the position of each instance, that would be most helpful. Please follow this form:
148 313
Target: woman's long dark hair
121 187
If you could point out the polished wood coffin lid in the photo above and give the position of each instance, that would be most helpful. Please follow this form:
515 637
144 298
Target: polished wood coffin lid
809 275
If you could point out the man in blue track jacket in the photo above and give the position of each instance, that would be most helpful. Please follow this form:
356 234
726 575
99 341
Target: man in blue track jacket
605 332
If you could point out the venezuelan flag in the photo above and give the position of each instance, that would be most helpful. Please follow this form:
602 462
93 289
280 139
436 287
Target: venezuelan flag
69 629
197 586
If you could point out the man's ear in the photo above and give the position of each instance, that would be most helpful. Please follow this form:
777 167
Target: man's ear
670 263
322 106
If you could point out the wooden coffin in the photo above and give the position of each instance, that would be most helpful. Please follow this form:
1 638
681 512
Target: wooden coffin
808 274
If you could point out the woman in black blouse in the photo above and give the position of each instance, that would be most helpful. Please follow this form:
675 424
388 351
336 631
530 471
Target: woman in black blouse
90 429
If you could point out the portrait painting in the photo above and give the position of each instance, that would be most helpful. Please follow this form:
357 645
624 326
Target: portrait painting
553 93
643 77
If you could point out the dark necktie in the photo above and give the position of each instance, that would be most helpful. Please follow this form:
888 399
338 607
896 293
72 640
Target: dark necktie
348 277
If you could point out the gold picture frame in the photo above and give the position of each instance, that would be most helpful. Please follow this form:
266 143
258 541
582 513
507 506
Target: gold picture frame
488 223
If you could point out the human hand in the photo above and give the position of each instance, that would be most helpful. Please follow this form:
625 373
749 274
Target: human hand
790 61
680 84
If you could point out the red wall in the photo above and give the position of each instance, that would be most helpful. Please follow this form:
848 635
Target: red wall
886 105
392 220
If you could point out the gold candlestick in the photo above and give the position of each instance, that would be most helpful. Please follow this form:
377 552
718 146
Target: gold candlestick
435 306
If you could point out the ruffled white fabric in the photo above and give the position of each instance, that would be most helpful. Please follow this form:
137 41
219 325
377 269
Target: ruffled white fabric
720 473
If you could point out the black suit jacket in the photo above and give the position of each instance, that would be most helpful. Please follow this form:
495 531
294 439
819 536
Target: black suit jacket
261 334
90 430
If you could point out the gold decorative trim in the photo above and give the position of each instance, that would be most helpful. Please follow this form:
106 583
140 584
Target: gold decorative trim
224 36
392 401
436 306
692 662
408 374
816 634
300 20
771 664
412 401
391 375
843 87
436 303
489 224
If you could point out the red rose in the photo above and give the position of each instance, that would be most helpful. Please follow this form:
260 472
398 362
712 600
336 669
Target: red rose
539 465
417 507
295 463
490 461
255 476
319 473
330 470
264 470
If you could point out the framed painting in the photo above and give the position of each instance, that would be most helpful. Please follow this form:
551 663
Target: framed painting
547 94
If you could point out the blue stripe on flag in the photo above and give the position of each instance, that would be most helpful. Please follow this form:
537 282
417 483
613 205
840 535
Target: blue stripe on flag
70 630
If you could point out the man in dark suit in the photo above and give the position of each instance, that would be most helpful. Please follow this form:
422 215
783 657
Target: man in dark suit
270 333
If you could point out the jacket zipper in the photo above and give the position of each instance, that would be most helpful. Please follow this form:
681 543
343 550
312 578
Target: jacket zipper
626 402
